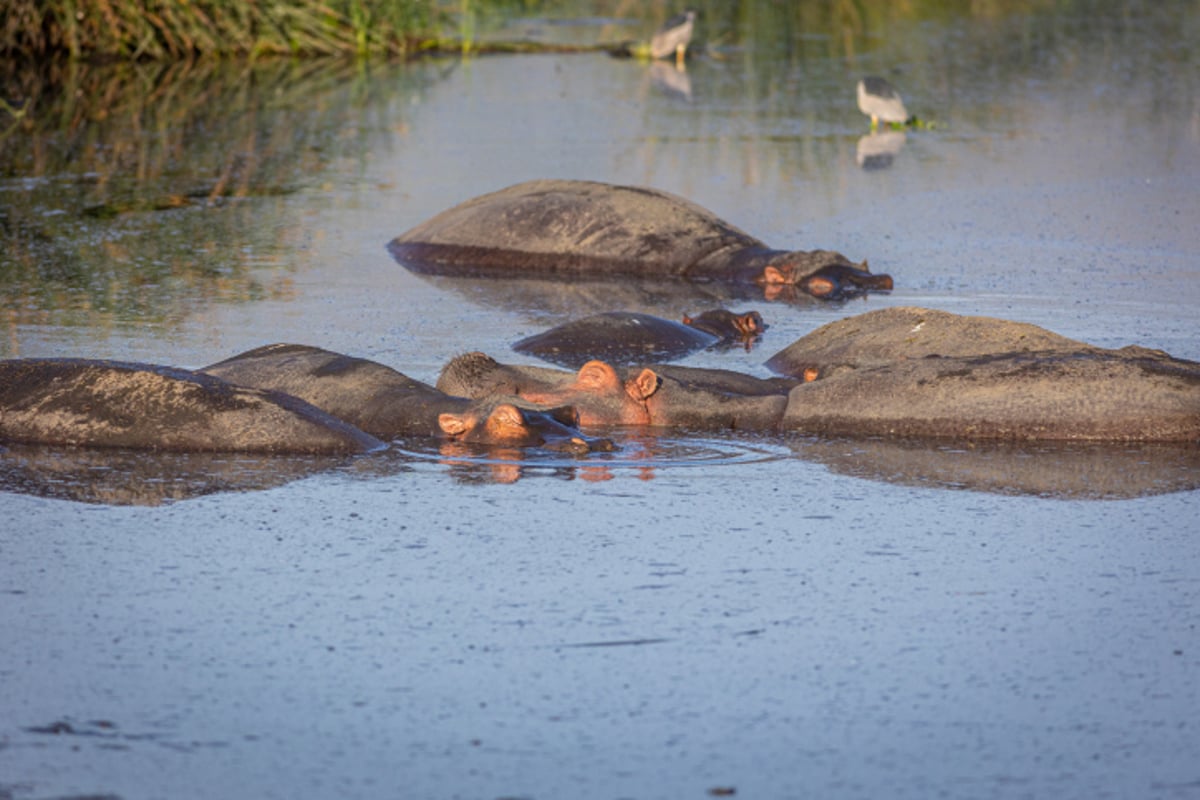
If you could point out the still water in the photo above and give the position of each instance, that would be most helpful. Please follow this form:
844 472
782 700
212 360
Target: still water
777 617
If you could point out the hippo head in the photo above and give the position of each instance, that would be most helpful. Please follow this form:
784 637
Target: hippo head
501 422
698 399
729 325
596 393
822 273
599 395
646 397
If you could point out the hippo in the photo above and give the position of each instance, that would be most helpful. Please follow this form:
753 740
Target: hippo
1056 390
678 397
97 403
1086 394
887 335
389 404
571 228
625 337
922 372
728 326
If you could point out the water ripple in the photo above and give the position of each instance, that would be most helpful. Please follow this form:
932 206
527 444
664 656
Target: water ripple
635 451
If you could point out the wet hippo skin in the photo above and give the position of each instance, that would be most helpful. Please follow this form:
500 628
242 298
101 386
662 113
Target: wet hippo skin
1062 395
144 406
922 372
389 404
888 335
622 337
569 227
880 375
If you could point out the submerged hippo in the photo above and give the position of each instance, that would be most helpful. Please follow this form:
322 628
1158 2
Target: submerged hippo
623 337
389 404
72 401
1043 388
728 326
562 227
662 396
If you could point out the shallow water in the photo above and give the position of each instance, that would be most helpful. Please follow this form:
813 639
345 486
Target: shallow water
783 617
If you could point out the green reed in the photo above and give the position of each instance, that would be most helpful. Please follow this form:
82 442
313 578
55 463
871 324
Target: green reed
157 29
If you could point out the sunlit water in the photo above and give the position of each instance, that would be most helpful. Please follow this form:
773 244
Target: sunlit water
784 617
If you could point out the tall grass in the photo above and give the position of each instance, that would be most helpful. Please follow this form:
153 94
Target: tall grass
156 29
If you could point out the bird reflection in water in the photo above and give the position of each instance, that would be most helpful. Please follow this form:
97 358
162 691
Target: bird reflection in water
672 81
878 149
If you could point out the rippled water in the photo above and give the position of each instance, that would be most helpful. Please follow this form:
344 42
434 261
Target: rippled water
783 617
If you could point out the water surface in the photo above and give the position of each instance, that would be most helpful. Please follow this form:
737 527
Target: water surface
783 617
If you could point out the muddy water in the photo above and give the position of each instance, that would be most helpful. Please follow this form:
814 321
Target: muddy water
780 617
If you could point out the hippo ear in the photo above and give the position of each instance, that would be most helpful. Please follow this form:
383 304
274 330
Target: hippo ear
508 415
452 424
597 375
775 275
750 322
644 385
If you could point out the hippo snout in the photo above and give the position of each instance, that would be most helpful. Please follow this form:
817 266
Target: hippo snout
840 280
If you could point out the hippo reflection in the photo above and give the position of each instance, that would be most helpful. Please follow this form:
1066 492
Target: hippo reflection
570 228
121 476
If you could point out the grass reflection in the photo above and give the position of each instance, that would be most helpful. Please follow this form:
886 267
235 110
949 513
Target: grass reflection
124 184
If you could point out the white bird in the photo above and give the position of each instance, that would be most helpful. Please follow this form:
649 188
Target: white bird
879 100
674 37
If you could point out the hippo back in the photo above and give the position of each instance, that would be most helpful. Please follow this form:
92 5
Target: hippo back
561 226
144 406
1084 394
889 335
618 337
372 396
